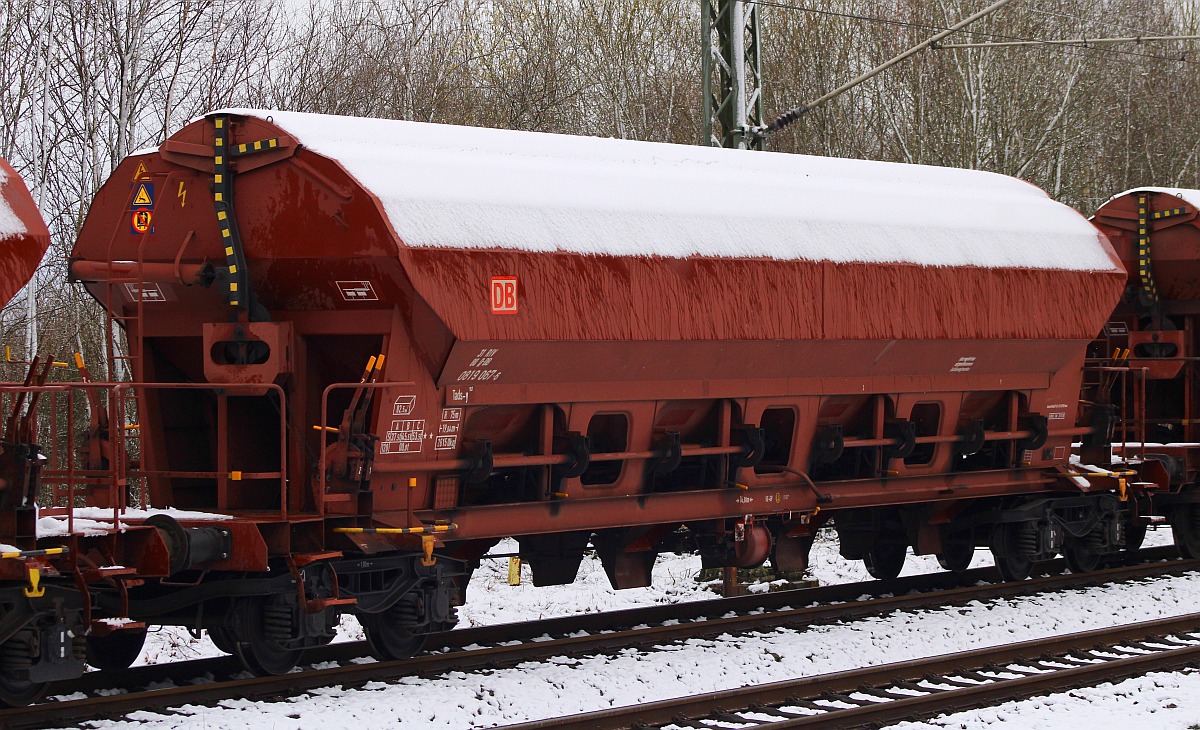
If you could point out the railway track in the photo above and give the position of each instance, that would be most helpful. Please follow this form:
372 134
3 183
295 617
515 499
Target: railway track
510 644
857 594
920 688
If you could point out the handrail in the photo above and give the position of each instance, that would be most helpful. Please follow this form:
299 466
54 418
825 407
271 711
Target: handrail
116 417
322 464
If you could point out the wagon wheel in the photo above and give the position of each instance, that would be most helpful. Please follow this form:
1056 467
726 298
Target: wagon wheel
115 650
1185 528
20 692
885 559
259 652
16 653
265 657
223 639
387 639
956 555
1011 565
1080 557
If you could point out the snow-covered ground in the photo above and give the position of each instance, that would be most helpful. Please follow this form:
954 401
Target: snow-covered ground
461 699
1154 702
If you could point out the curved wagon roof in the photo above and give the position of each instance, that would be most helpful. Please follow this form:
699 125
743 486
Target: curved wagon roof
446 186
1186 195
611 239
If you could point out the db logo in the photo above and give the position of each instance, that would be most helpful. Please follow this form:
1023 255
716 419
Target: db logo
504 295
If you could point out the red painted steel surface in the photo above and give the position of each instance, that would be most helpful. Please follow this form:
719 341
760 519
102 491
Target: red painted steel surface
1175 239
572 297
20 254
594 337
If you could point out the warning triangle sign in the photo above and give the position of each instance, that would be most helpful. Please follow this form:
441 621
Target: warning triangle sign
144 196
141 173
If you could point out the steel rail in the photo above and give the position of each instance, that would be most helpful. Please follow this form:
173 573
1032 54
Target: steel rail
699 619
768 699
843 594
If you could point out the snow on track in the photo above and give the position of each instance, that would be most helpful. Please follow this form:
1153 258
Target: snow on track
1162 701
475 699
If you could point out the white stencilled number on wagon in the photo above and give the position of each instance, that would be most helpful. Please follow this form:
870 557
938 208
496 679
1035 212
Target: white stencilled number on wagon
484 358
404 437
478 369
963 365
404 405
478 375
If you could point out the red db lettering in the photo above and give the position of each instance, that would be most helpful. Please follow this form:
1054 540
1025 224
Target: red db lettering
504 295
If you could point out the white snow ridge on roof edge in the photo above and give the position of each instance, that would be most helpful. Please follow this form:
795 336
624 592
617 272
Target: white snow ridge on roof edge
445 186
10 225
1191 197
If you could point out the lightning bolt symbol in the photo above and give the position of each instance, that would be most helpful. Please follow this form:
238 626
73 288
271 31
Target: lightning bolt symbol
182 195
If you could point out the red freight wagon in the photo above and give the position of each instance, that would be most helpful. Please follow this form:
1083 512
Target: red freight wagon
1156 234
29 612
23 235
365 350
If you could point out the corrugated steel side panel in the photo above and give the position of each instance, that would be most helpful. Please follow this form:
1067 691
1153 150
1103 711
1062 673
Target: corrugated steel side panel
909 302
571 297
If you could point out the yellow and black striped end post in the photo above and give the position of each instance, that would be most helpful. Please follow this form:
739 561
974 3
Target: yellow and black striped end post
1160 214
223 199
249 148
1149 291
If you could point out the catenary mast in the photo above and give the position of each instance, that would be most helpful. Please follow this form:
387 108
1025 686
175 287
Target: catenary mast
732 74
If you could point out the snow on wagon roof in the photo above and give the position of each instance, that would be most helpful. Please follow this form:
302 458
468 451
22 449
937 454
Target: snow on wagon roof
445 186
10 224
1191 197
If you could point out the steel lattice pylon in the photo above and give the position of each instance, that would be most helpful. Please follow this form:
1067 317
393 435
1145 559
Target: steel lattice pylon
732 74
